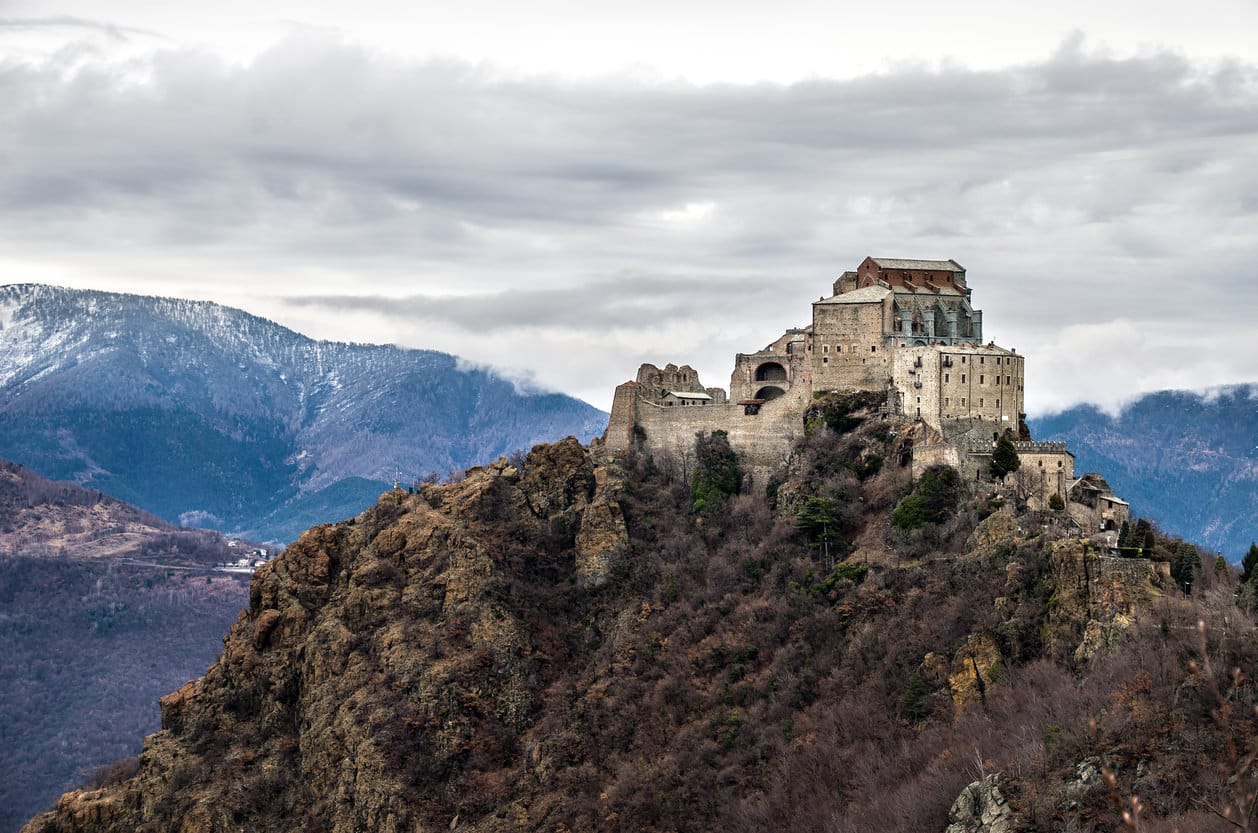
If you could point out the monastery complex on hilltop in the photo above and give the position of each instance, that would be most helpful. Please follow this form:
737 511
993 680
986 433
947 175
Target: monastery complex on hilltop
902 327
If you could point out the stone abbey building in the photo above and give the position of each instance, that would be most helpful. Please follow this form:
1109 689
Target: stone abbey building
902 327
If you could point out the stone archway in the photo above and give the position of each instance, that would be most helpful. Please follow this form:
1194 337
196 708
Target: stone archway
769 392
770 372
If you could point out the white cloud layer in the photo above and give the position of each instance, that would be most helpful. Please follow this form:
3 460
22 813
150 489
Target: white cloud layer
566 230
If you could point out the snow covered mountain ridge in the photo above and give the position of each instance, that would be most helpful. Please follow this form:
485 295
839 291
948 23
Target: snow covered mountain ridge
192 409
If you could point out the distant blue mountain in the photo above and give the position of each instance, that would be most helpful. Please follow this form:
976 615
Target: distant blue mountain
1188 461
208 415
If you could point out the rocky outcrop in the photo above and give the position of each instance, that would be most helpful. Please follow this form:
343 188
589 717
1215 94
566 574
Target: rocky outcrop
981 808
997 529
600 541
567 645
975 667
378 658
1097 598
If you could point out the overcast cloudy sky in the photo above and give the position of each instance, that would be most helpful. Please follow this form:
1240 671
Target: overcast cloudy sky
566 189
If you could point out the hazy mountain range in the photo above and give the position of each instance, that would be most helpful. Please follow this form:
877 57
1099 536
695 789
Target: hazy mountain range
208 415
1187 460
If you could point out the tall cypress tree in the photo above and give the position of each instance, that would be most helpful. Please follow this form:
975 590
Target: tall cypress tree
1249 566
1004 457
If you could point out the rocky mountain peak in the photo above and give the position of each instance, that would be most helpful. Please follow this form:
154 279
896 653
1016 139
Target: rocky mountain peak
577 643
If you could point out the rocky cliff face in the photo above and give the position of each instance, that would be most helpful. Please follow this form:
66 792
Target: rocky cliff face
570 647
377 656
1098 599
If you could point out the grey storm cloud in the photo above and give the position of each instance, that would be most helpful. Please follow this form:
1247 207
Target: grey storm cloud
627 300
1100 187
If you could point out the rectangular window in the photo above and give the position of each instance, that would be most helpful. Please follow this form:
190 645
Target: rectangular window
873 349
997 403
946 377
963 402
963 378
945 400
838 348
1006 380
825 348
963 359
982 379
825 359
980 403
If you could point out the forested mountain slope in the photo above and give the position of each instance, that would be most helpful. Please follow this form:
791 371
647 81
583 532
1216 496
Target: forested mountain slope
103 608
1187 460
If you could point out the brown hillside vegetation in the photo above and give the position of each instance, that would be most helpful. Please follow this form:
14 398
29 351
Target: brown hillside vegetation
41 518
103 608
571 647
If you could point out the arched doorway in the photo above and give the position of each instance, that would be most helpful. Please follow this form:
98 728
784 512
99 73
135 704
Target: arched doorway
769 392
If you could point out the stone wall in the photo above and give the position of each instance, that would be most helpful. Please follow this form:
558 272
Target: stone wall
848 348
670 377
1048 464
762 436
949 384
930 448
980 383
774 369
762 441
619 434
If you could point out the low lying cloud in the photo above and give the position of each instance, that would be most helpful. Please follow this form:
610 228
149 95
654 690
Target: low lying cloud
1106 208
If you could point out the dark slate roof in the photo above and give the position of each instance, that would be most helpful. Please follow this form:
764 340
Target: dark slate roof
919 265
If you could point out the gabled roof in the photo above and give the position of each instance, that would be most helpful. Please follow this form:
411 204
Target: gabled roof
865 295
929 291
918 265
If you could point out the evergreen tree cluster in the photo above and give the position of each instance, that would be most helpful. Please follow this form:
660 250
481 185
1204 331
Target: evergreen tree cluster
1005 458
717 475
933 501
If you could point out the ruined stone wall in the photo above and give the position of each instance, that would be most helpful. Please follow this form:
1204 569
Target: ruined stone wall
619 434
762 441
936 453
670 377
762 438
753 372
848 347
